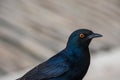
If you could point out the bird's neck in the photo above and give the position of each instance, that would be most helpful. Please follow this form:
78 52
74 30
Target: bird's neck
76 53
78 47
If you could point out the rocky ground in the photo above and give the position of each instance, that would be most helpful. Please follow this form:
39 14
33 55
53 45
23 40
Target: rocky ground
31 31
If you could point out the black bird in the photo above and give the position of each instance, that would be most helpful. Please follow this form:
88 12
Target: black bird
70 64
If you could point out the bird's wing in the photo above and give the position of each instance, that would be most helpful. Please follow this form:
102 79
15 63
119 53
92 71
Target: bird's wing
47 70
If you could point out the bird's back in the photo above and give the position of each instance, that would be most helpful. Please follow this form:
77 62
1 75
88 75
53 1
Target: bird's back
55 66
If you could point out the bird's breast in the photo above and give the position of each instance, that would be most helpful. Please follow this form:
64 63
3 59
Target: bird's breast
79 66
78 70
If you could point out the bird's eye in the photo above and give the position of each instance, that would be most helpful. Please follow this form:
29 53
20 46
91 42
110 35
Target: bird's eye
82 35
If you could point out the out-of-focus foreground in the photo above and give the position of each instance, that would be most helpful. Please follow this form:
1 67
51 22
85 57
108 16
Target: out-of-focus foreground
31 31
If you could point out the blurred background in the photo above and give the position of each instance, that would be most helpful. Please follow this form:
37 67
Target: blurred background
31 31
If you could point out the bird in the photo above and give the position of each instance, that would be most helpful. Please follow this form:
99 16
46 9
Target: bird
71 63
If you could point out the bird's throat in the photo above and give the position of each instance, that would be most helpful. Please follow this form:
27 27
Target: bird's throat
76 54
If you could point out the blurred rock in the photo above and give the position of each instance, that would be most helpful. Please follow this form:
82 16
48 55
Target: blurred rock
105 66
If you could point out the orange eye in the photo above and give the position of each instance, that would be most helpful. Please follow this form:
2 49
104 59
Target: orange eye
82 35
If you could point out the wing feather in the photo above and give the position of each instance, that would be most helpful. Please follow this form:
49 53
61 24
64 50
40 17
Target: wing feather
51 68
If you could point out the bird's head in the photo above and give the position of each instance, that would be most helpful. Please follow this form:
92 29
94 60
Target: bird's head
82 37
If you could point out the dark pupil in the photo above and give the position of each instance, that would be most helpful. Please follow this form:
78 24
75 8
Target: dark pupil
82 35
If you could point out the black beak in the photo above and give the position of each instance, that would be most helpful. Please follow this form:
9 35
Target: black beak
94 35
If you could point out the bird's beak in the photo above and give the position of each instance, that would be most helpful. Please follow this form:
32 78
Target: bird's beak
94 35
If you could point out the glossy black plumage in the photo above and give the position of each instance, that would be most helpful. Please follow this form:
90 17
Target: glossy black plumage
70 64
